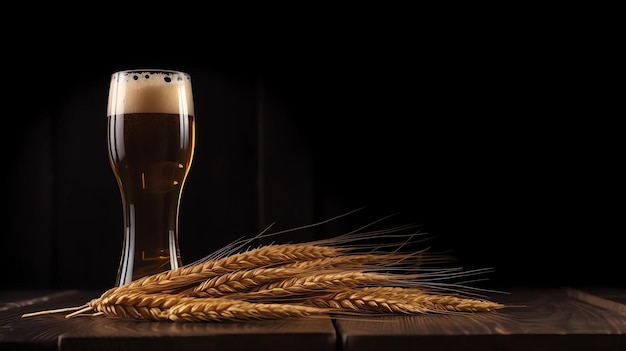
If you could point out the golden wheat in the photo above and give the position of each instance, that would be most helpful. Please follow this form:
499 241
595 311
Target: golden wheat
314 283
370 261
281 281
265 256
160 307
400 300
211 309
241 281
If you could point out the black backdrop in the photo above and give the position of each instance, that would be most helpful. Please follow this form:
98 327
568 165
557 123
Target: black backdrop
490 138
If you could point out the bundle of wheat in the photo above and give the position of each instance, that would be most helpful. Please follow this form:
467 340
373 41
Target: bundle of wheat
332 277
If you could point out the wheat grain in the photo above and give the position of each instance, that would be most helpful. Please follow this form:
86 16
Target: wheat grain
303 286
400 300
184 277
211 309
293 281
161 307
241 281
365 305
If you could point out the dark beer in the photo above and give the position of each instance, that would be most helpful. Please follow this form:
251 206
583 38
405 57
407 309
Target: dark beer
151 139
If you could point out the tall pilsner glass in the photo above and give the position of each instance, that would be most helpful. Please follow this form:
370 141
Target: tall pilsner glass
151 140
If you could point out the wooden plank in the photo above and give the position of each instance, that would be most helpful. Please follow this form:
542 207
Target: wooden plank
21 298
540 319
54 331
537 319
611 299
113 334
36 333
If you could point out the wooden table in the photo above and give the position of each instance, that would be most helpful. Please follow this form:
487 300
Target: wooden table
543 319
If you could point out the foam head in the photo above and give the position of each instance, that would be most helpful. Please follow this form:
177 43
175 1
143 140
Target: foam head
150 91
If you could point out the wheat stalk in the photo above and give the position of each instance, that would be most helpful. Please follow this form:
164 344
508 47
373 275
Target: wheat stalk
322 278
364 261
400 301
314 283
211 309
241 281
162 307
187 276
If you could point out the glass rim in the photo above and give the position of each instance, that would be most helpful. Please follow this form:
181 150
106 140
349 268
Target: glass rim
151 70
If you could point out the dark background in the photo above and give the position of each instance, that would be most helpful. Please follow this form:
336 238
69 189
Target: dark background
492 135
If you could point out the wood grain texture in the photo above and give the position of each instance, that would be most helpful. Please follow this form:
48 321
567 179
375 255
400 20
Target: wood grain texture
55 332
536 319
547 319
108 334
608 298
36 333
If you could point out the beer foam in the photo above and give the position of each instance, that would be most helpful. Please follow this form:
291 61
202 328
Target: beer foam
150 91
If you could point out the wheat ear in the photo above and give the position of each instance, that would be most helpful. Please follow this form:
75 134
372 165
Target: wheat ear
222 309
161 307
320 278
241 281
399 300
264 256
314 283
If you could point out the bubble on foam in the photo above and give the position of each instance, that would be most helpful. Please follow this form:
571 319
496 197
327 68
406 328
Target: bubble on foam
150 91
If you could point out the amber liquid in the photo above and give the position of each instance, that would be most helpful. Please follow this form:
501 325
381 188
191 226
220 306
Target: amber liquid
150 154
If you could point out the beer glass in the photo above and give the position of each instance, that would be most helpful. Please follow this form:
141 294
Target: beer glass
151 140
